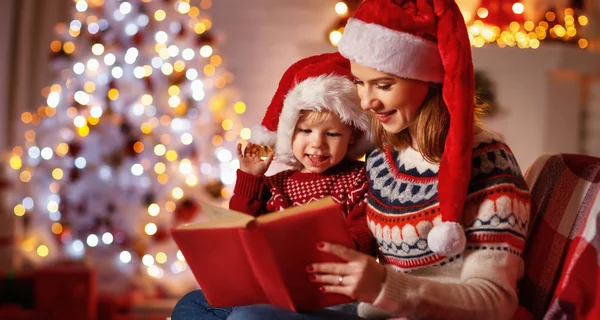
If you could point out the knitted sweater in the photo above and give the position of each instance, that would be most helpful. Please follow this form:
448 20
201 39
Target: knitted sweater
346 183
403 205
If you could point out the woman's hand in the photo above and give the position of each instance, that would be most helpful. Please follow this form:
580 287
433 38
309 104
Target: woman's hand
360 278
250 161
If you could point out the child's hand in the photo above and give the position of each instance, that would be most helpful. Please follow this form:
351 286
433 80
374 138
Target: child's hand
250 161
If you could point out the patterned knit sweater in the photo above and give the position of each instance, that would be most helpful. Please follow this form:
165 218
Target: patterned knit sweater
346 183
403 206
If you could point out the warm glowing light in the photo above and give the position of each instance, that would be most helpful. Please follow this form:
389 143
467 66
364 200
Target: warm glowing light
150 229
216 60
209 70
160 15
227 124
159 168
19 210
159 150
146 128
15 162
482 13
43 251
341 8
57 174
206 51
113 94
191 180
334 37
177 193
161 257
98 49
245 133
518 8
138 147
171 155
57 228
153 209
180 256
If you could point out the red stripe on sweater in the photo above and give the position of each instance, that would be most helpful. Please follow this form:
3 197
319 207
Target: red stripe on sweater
401 220
389 158
489 238
413 262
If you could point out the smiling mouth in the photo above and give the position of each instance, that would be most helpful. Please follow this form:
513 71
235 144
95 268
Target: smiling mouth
384 114
316 160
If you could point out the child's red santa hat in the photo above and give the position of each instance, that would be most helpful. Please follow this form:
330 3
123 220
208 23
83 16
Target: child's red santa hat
426 40
318 83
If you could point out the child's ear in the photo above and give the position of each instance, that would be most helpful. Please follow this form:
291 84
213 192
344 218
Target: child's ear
356 134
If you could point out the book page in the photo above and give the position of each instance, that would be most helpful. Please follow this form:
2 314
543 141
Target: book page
325 202
218 217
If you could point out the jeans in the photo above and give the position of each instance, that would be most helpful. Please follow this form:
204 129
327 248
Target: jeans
193 306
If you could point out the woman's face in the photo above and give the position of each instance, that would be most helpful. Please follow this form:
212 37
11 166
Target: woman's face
394 101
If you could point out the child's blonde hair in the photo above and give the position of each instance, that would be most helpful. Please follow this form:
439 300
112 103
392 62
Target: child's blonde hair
316 117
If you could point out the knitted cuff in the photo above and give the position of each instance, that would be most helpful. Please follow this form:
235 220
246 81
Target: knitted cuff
248 185
395 292
363 239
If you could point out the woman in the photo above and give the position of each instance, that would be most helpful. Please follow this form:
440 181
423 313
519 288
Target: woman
447 202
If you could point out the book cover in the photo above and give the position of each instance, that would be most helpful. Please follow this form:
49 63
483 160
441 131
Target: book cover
239 260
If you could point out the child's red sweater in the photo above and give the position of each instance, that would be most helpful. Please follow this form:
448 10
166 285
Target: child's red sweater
346 183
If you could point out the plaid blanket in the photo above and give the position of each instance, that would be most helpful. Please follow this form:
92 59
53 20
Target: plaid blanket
562 255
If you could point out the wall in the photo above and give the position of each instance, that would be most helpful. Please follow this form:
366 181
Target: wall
541 94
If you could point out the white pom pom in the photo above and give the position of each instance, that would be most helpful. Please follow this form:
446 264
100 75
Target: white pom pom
447 239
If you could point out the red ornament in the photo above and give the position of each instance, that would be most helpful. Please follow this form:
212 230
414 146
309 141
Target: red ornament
186 211
161 235
74 148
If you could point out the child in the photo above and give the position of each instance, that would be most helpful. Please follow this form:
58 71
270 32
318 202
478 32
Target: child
315 122
318 128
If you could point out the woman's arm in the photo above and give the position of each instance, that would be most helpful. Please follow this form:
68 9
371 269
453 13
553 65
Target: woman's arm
487 290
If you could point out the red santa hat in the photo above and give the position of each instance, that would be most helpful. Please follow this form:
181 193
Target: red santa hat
318 83
426 40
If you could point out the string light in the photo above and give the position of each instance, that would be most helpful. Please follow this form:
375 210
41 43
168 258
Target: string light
522 34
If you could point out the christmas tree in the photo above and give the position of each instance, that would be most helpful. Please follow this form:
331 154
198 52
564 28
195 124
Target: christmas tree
139 125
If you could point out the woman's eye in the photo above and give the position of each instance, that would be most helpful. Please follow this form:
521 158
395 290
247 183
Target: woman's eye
304 130
333 134
384 86
358 82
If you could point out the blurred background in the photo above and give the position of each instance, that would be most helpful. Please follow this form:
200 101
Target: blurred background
117 117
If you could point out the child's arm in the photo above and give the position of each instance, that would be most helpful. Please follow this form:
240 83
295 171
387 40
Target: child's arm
356 217
250 190
250 194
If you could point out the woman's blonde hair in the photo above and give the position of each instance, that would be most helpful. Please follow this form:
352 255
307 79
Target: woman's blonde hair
430 127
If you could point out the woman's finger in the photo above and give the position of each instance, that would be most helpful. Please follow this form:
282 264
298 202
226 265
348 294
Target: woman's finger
345 290
340 251
332 279
329 268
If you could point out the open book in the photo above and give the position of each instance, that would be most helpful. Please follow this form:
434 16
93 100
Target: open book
239 260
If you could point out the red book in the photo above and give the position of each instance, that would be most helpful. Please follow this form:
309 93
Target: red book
240 260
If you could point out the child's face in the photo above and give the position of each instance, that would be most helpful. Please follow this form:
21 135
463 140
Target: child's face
394 101
320 145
